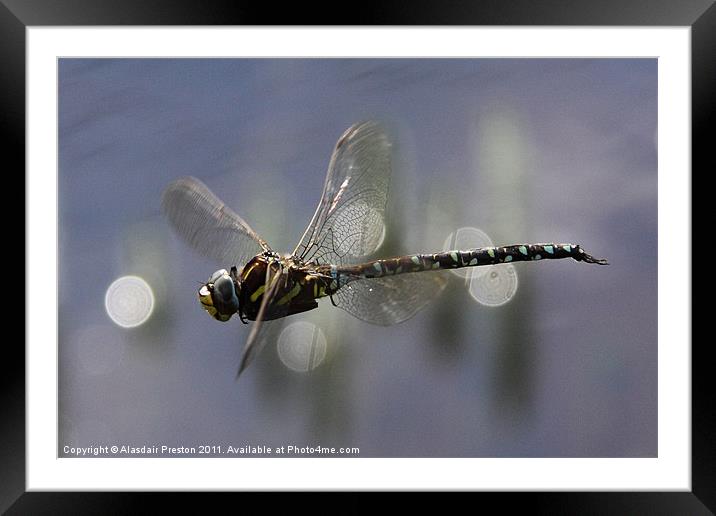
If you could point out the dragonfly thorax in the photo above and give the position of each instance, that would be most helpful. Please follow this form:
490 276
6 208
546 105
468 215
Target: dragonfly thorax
253 279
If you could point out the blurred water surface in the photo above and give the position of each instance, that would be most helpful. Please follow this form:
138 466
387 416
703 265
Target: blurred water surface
525 150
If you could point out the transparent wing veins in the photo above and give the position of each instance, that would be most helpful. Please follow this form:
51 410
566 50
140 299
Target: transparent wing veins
208 225
348 222
390 299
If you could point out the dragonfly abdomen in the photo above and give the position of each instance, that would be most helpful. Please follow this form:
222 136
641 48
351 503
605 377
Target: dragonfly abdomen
516 253
464 258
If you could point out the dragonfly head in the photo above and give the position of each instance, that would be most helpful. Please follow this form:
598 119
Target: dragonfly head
220 295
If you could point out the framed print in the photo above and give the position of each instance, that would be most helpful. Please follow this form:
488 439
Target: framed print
312 180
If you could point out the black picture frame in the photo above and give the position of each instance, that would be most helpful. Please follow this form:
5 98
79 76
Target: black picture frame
700 15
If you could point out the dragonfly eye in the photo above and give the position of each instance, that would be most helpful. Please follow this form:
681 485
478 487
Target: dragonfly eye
218 274
220 296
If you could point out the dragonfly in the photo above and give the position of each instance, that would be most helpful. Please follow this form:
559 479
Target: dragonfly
331 260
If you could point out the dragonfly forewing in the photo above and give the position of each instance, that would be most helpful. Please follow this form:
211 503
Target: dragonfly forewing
349 221
208 225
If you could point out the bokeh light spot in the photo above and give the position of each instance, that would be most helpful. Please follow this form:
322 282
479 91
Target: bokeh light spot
129 301
489 285
302 346
496 287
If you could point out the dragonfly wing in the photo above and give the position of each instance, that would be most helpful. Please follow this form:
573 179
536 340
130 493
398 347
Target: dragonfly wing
208 225
255 343
348 222
390 299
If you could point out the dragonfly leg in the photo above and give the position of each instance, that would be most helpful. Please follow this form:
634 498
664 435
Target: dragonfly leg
334 303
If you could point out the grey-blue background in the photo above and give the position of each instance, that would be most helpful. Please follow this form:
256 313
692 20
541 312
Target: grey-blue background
527 150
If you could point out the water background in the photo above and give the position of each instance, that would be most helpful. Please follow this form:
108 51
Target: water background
526 150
